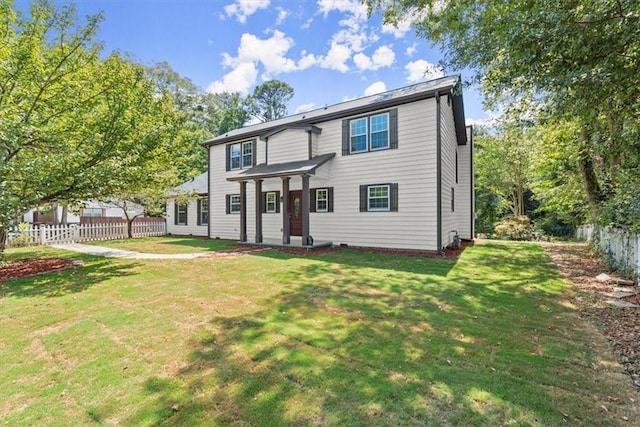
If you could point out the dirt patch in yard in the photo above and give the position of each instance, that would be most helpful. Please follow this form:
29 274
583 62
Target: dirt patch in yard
621 326
31 267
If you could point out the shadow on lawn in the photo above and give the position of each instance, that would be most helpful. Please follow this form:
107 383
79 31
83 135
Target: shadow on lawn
200 243
440 345
63 282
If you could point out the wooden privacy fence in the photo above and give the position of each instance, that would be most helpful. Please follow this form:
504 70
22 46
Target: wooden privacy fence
620 247
27 234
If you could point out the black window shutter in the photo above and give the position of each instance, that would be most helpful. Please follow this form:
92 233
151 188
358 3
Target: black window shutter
393 128
330 199
312 200
345 137
363 198
186 214
394 197
228 197
264 202
199 219
254 152
228 157
175 212
277 202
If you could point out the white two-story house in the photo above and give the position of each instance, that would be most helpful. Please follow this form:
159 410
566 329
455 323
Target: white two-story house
393 170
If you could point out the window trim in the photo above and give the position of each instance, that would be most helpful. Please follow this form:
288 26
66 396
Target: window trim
230 204
241 155
366 135
179 213
392 132
275 202
392 197
203 210
325 200
370 135
387 197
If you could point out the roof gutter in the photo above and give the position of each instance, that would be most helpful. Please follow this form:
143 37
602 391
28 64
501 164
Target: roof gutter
438 174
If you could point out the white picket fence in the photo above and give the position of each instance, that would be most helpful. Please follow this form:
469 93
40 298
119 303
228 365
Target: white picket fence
620 247
73 233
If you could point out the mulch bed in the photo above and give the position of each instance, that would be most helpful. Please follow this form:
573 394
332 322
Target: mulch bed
621 326
31 267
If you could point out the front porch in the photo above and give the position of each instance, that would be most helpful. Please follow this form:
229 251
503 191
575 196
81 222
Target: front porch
295 210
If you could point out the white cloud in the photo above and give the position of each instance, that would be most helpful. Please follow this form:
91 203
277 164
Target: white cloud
253 52
240 79
375 88
422 70
398 30
241 9
411 50
304 108
307 24
383 56
336 58
282 15
348 98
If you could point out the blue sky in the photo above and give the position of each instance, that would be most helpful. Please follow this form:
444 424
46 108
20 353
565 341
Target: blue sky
327 50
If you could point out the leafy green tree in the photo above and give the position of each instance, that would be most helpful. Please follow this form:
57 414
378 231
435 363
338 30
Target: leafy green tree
269 100
73 126
579 58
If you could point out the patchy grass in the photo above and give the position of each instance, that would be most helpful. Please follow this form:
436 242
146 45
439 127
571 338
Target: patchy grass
342 338
168 245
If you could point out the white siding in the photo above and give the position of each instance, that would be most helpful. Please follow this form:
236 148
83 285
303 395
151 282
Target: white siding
412 166
191 228
288 146
460 218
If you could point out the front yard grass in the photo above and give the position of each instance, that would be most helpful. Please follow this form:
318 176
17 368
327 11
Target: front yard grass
342 338
167 244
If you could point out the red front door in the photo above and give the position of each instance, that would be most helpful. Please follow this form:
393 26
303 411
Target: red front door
295 213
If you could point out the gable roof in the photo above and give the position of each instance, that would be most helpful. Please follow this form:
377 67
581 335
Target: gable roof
300 167
197 185
424 90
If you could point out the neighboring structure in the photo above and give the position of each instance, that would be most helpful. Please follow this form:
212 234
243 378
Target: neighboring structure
393 170
90 211
191 215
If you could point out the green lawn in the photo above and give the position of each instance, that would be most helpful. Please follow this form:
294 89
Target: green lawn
344 338
168 244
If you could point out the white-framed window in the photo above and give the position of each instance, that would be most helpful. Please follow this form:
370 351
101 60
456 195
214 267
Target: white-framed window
93 212
271 202
322 200
240 155
203 211
379 132
234 203
358 135
378 198
181 214
369 133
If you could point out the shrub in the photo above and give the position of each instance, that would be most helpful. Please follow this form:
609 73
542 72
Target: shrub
514 228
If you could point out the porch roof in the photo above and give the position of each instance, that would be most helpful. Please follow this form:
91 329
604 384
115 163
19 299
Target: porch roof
300 167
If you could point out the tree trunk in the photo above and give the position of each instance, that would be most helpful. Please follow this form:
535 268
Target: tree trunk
65 211
54 214
3 240
130 227
589 178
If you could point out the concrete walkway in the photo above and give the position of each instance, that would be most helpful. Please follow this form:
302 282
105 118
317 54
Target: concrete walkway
119 253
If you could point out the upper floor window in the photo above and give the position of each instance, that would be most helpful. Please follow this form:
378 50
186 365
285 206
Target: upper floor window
370 133
240 155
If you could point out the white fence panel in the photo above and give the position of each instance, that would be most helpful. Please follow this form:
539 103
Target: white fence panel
72 233
620 247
